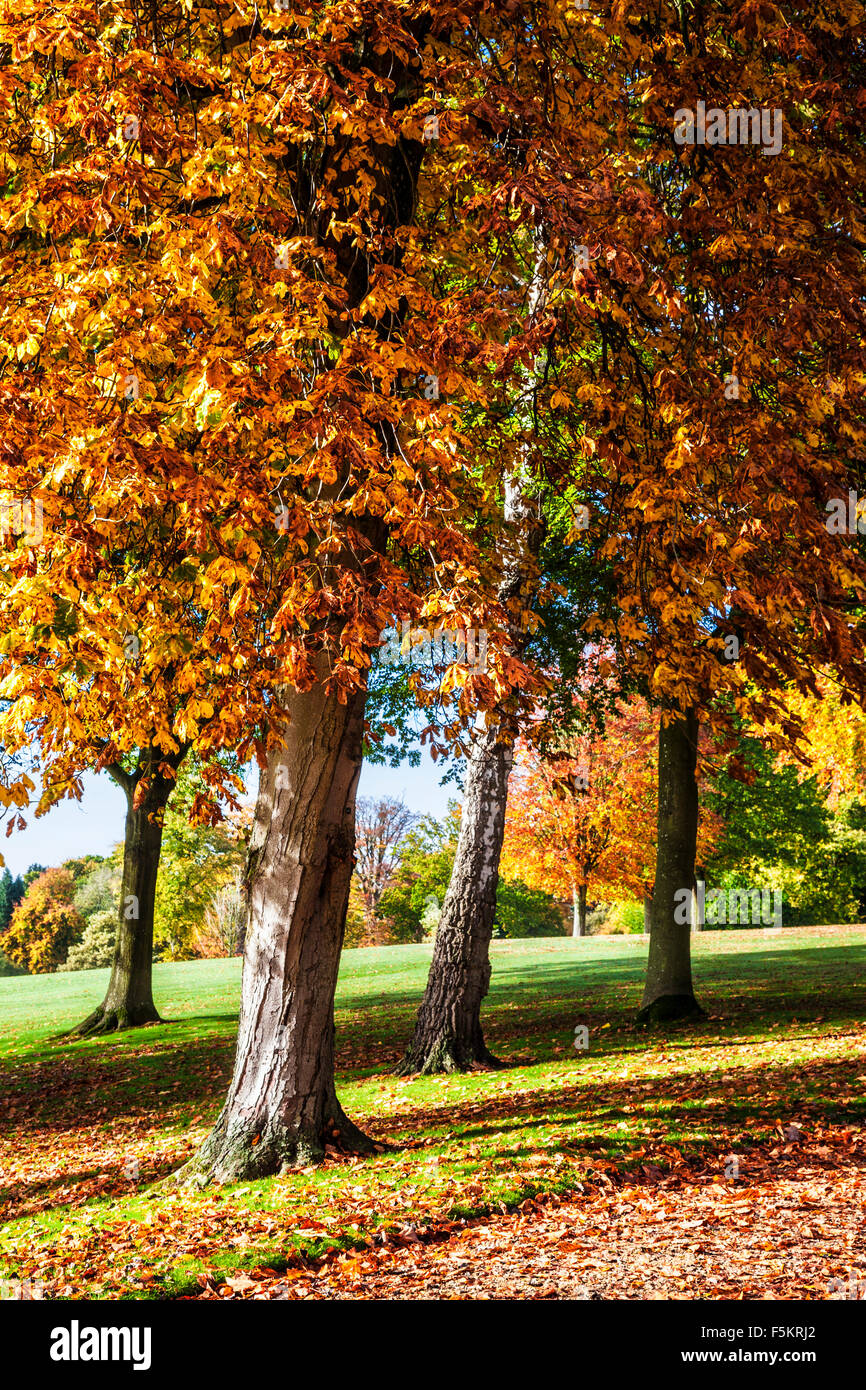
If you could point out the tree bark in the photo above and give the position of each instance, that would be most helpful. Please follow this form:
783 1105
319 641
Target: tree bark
282 1108
668 992
578 920
448 1034
128 1001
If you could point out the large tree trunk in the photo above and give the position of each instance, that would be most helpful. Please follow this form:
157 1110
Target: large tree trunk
578 915
668 992
282 1107
128 1001
448 1034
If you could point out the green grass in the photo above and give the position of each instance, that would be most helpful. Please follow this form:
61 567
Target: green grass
784 1040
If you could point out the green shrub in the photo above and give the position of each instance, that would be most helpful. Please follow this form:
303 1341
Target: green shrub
522 911
96 947
623 919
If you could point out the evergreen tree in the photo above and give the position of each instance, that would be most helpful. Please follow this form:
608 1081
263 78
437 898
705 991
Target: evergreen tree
7 900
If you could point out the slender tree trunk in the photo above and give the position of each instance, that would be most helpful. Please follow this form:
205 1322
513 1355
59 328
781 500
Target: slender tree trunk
282 1107
647 913
578 917
668 992
698 904
448 1034
128 1001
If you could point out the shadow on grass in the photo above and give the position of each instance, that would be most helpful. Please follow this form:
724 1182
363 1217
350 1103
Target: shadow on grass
702 1116
675 1102
155 1070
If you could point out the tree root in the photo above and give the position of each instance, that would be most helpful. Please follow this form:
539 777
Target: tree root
233 1151
110 1020
445 1055
669 1007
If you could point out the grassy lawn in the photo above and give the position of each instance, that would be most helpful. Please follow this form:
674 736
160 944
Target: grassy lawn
87 1128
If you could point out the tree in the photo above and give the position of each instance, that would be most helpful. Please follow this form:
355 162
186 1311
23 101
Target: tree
720 403
222 930
113 680
44 924
379 476
448 1034
244 466
380 831
7 902
196 862
95 949
581 817
795 826
668 991
128 1000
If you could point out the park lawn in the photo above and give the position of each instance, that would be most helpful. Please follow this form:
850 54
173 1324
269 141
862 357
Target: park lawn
87 1129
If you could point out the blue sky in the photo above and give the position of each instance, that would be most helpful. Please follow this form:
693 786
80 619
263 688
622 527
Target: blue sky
94 824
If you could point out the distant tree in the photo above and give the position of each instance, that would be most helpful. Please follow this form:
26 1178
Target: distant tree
222 930
833 751
80 868
770 814
582 814
355 924
381 826
44 924
95 950
7 900
422 874
98 889
792 828
18 890
195 863
524 911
